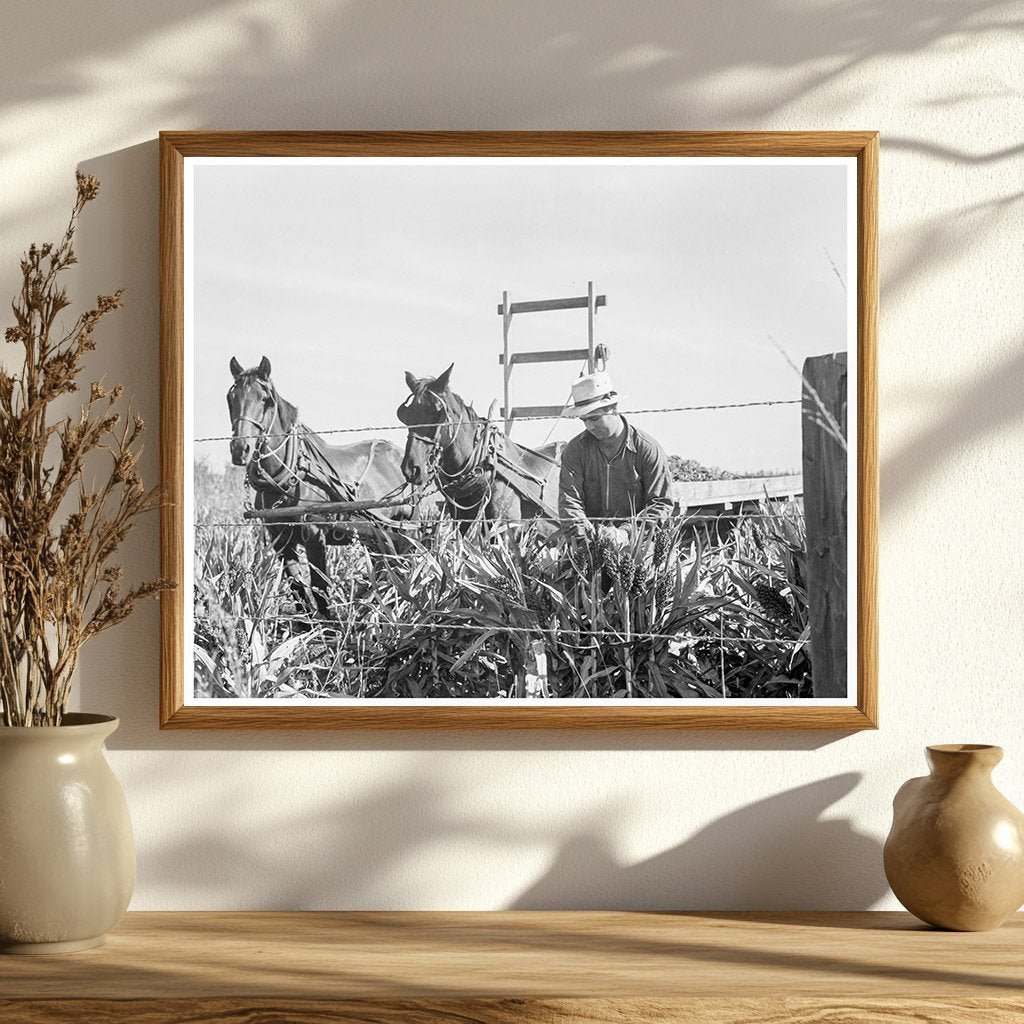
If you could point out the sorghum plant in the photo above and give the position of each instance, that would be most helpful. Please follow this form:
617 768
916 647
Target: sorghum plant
58 532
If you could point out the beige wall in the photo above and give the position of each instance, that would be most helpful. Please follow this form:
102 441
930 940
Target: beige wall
633 820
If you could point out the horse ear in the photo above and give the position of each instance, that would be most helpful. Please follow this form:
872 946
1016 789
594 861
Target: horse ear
264 368
411 381
441 383
236 367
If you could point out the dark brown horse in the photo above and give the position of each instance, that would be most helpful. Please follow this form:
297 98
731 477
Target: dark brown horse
480 473
288 463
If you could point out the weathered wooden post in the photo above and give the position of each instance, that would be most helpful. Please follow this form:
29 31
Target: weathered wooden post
825 510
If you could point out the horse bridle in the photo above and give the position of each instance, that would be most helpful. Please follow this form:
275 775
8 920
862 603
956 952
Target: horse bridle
257 475
466 473
442 406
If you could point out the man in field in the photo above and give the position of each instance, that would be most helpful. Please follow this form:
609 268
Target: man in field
612 471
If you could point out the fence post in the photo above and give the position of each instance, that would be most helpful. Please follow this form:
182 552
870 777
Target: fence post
825 510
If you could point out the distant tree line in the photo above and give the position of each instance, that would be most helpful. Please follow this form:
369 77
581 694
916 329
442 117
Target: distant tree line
690 469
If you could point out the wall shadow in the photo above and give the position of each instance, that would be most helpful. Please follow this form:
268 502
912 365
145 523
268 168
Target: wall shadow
325 66
776 854
780 853
950 153
969 414
191 64
939 243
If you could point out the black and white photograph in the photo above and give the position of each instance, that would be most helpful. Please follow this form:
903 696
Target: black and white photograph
472 430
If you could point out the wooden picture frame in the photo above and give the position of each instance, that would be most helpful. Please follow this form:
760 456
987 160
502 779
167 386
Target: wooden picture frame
180 150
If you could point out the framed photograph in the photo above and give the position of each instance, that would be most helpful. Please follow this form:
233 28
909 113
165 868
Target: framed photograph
502 430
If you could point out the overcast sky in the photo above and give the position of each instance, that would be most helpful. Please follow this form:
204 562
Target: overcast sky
349 273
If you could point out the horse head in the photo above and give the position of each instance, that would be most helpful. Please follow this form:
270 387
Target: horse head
252 405
428 412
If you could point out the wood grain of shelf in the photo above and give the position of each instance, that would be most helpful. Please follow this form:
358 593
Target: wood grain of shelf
544 966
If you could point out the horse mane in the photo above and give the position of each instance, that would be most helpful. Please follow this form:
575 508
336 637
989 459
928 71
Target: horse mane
288 413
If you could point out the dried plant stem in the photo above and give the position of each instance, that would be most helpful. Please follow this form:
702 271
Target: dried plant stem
825 418
58 587
835 269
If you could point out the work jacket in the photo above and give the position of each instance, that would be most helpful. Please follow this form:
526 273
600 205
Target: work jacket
635 480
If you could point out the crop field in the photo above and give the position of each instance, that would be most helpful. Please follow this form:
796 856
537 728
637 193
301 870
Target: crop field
670 610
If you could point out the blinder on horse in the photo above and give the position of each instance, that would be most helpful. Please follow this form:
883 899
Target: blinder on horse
413 418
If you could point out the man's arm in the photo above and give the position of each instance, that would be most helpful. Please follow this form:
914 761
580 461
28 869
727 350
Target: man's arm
570 492
656 481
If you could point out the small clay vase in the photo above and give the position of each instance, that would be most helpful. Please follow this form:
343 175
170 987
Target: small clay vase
955 854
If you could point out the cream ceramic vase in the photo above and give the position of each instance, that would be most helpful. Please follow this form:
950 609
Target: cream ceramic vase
67 855
955 855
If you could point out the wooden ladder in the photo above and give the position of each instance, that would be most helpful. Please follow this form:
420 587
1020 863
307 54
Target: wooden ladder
593 354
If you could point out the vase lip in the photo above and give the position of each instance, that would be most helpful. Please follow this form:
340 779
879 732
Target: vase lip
71 721
955 758
962 748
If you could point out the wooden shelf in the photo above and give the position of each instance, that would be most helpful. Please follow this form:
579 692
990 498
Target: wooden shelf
595 966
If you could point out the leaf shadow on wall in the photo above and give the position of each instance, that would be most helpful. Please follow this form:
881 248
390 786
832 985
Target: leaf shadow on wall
778 853
962 420
313 62
536 64
409 842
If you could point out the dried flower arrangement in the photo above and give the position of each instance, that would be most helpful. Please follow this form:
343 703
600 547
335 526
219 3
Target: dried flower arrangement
58 587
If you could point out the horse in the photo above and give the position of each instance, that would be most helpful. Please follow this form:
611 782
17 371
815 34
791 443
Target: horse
286 463
480 473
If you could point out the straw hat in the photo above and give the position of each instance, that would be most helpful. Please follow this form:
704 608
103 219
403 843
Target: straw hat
591 392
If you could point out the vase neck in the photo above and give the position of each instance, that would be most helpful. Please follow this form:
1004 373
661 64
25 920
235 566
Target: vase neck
75 729
950 760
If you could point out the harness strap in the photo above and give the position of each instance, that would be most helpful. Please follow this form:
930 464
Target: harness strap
484 464
520 469
371 512
285 480
300 462
322 475
524 492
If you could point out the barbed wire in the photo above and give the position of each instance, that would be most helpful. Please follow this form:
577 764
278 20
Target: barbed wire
425 551
343 524
527 630
356 670
519 419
